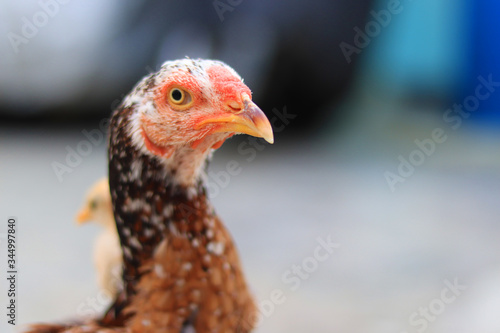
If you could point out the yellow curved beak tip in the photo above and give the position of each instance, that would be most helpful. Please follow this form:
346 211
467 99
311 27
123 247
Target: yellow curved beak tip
265 130
83 216
257 122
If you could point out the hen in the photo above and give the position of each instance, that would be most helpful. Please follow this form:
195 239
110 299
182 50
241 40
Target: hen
181 268
107 251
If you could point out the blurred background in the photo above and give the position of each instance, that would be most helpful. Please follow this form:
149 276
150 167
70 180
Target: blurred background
386 140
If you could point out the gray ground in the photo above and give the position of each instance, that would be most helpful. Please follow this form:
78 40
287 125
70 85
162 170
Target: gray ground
395 252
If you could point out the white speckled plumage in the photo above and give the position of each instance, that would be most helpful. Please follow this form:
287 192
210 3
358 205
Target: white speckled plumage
181 267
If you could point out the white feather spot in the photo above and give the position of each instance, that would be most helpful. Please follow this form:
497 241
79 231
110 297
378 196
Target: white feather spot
126 232
156 220
123 177
160 271
134 205
216 248
135 243
191 192
168 210
173 229
149 233
210 233
126 252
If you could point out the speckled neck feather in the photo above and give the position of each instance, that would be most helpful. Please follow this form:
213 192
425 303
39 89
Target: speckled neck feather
181 268
180 264
145 198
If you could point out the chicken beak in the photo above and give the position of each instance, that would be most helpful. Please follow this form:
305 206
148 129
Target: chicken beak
250 120
83 216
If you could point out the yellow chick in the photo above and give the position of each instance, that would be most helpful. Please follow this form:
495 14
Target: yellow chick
107 251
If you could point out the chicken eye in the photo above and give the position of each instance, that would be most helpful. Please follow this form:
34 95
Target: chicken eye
93 204
179 97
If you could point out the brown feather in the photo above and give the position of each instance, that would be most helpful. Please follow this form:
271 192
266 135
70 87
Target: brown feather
181 266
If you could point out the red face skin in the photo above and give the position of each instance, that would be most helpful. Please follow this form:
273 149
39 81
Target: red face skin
223 98
227 86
